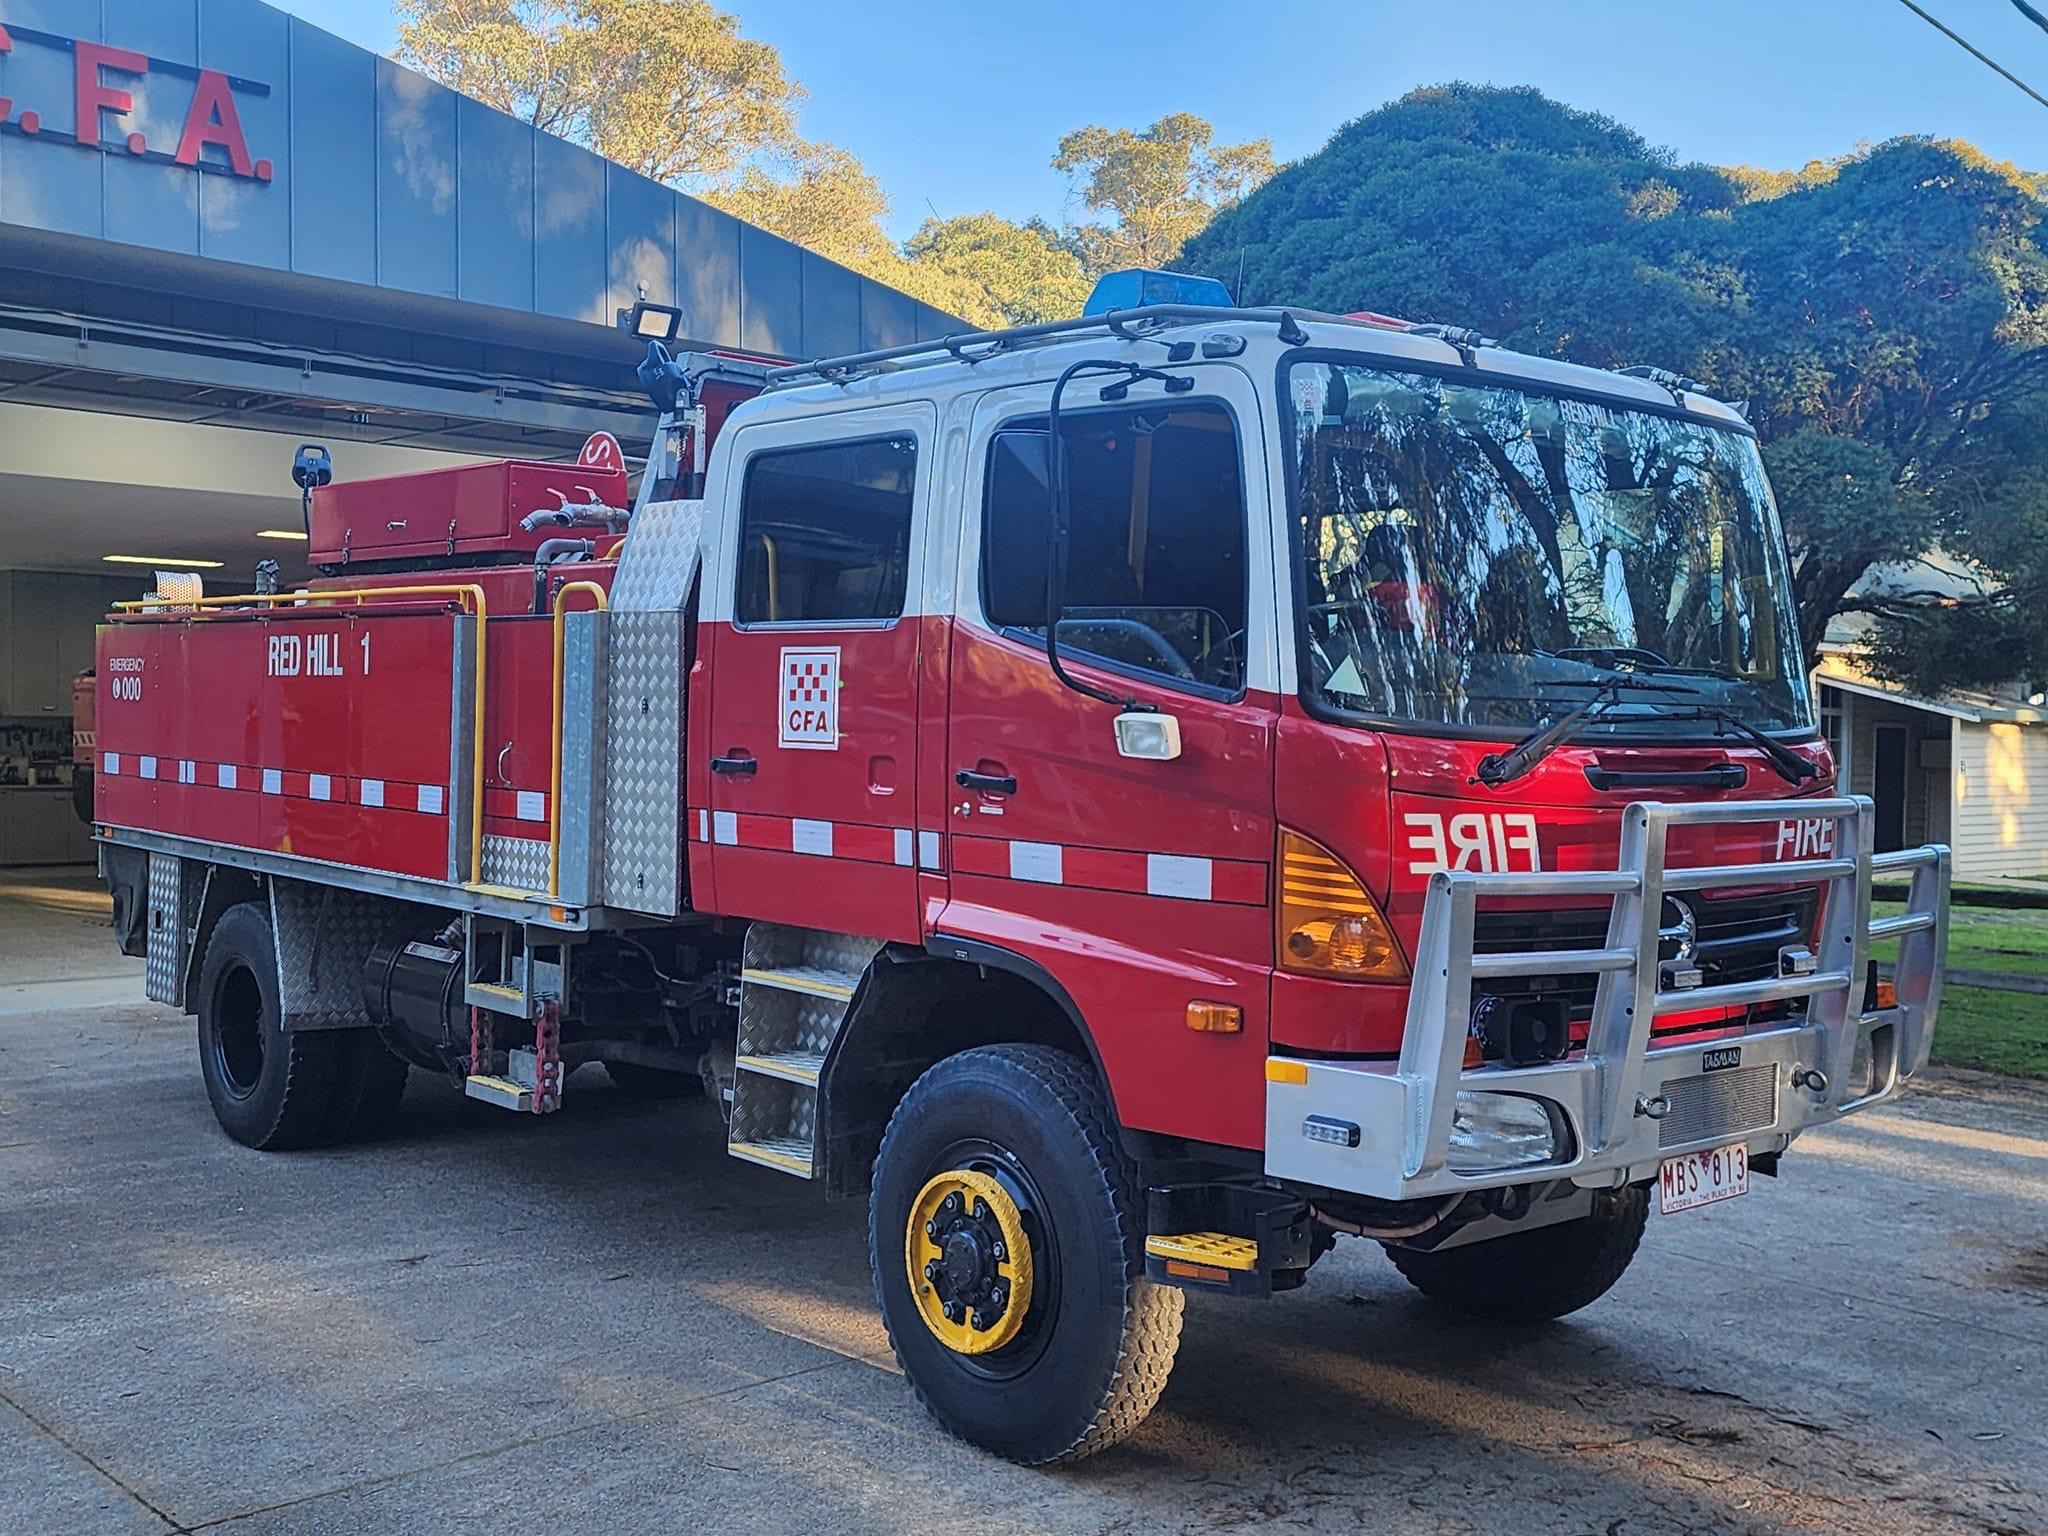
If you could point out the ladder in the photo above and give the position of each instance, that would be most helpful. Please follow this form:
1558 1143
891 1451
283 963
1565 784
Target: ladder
796 987
517 972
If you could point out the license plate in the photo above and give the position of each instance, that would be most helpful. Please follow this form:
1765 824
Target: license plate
1703 1178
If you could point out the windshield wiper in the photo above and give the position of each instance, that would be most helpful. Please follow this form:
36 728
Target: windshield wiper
1498 768
1788 765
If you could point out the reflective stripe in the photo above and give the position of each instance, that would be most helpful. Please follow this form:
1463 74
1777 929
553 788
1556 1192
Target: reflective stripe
1177 876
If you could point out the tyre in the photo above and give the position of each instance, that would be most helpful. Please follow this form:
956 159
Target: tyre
270 1089
638 1082
1006 1240
1531 1277
368 1083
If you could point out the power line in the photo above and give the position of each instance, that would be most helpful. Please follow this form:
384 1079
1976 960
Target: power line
1974 51
2038 18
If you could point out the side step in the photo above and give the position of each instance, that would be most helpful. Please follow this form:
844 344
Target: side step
531 1083
1241 1238
796 985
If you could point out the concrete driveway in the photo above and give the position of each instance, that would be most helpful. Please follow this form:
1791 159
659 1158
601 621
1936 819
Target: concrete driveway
597 1322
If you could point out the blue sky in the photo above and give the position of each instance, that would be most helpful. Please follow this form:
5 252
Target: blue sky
956 104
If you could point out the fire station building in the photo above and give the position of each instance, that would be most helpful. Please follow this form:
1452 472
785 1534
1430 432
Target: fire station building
224 232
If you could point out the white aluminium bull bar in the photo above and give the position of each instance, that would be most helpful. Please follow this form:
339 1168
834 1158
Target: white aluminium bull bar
1621 1105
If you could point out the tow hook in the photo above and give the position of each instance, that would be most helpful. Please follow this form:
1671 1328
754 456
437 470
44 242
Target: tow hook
1650 1108
1812 1079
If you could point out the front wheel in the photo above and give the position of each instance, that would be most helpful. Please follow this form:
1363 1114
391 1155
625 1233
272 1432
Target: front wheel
1530 1277
1007 1248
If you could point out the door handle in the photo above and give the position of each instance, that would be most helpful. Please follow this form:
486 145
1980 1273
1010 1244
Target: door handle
739 763
987 783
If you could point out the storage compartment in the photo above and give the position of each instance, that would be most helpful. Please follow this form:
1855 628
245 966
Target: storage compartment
469 514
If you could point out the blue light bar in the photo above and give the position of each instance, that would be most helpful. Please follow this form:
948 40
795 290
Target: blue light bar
1135 287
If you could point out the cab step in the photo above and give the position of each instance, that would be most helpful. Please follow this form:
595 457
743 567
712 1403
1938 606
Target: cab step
1243 1238
794 1066
796 985
1204 1250
785 1154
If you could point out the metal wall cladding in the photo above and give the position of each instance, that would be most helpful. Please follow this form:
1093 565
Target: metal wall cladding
379 177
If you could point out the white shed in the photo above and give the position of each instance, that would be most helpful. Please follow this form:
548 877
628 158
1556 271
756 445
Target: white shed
1968 769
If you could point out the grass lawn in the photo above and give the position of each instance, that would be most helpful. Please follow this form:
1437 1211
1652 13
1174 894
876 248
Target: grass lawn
1993 1031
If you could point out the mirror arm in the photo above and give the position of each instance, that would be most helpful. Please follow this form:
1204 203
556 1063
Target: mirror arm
1057 536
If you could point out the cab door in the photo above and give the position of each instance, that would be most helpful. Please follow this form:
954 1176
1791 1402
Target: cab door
1141 886
811 598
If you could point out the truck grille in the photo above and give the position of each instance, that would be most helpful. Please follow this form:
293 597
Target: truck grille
1718 1105
1737 939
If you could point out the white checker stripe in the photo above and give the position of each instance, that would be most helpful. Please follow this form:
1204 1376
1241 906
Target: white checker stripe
1173 874
811 837
1044 863
320 786
431 797
110 762
146 767
905 853
928 851
371 792
224 775
273 782
533 805
725 828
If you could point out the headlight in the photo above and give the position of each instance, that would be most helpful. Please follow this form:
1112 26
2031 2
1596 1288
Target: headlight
1490 1131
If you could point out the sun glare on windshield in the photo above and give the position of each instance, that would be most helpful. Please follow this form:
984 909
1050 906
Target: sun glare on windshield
1481 556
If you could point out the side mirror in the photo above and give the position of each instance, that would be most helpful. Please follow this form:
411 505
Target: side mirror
1148 734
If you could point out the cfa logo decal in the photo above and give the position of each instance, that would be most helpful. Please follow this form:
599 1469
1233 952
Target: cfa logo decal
211 139
809 710
1488 842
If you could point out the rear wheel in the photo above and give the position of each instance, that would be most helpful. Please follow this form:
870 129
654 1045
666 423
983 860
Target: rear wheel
1530 1277
270 1089
1007 1249
369 1082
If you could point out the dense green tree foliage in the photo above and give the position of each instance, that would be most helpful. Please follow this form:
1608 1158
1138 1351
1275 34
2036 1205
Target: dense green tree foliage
1885 316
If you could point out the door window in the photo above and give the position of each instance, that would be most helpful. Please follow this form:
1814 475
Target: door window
825 533
1156 567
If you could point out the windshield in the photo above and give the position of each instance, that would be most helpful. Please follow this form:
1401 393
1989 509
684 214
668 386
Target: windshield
1480 555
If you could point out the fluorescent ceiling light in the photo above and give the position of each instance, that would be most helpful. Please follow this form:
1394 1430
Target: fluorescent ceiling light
281 533
171 562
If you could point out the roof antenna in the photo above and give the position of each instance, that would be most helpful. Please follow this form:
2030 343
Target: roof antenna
1237 297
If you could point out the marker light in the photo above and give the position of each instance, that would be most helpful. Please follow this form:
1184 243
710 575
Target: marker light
281 533
173 562
1328 925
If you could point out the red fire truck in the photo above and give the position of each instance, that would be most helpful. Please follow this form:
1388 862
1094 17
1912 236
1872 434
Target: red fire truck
1136 797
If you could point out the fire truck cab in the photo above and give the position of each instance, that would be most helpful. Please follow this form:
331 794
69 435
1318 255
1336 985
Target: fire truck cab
1135 797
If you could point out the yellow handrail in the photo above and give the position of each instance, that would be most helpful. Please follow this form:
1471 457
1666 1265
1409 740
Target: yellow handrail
307 602
555 774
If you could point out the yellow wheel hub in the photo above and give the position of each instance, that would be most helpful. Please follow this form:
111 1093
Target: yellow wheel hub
969 1261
